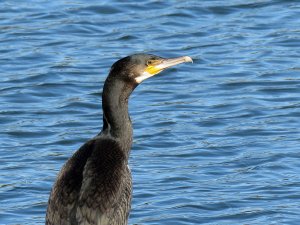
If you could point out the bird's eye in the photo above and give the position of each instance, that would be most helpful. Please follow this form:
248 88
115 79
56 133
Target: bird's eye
149 62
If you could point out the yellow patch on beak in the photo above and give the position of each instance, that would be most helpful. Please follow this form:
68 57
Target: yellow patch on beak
152 70
152 67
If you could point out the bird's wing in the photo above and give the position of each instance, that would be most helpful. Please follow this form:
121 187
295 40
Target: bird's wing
102 184
64 194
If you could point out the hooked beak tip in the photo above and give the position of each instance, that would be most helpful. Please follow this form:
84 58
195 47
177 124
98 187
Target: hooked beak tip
188 59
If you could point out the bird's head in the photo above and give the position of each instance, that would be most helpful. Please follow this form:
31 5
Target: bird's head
137 68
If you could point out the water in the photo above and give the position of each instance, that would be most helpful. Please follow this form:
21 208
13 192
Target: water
215 142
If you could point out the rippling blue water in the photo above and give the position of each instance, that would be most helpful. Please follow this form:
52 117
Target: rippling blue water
216 142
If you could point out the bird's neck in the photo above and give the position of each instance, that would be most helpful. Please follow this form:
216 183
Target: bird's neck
116 120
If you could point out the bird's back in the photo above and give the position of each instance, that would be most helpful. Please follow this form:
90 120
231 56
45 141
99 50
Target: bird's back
93 187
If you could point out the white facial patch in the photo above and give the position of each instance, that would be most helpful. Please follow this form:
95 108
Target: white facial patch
143 76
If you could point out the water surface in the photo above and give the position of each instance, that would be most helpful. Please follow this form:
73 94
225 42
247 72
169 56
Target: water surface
215 142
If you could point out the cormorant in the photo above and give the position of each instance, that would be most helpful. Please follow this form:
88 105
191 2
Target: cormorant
94 186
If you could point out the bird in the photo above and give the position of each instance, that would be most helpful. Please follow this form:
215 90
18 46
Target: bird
94 187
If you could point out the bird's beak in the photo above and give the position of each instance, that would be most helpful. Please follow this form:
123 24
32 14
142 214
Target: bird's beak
157 66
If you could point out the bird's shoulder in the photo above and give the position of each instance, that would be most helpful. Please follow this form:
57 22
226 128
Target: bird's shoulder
104 170
107 153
